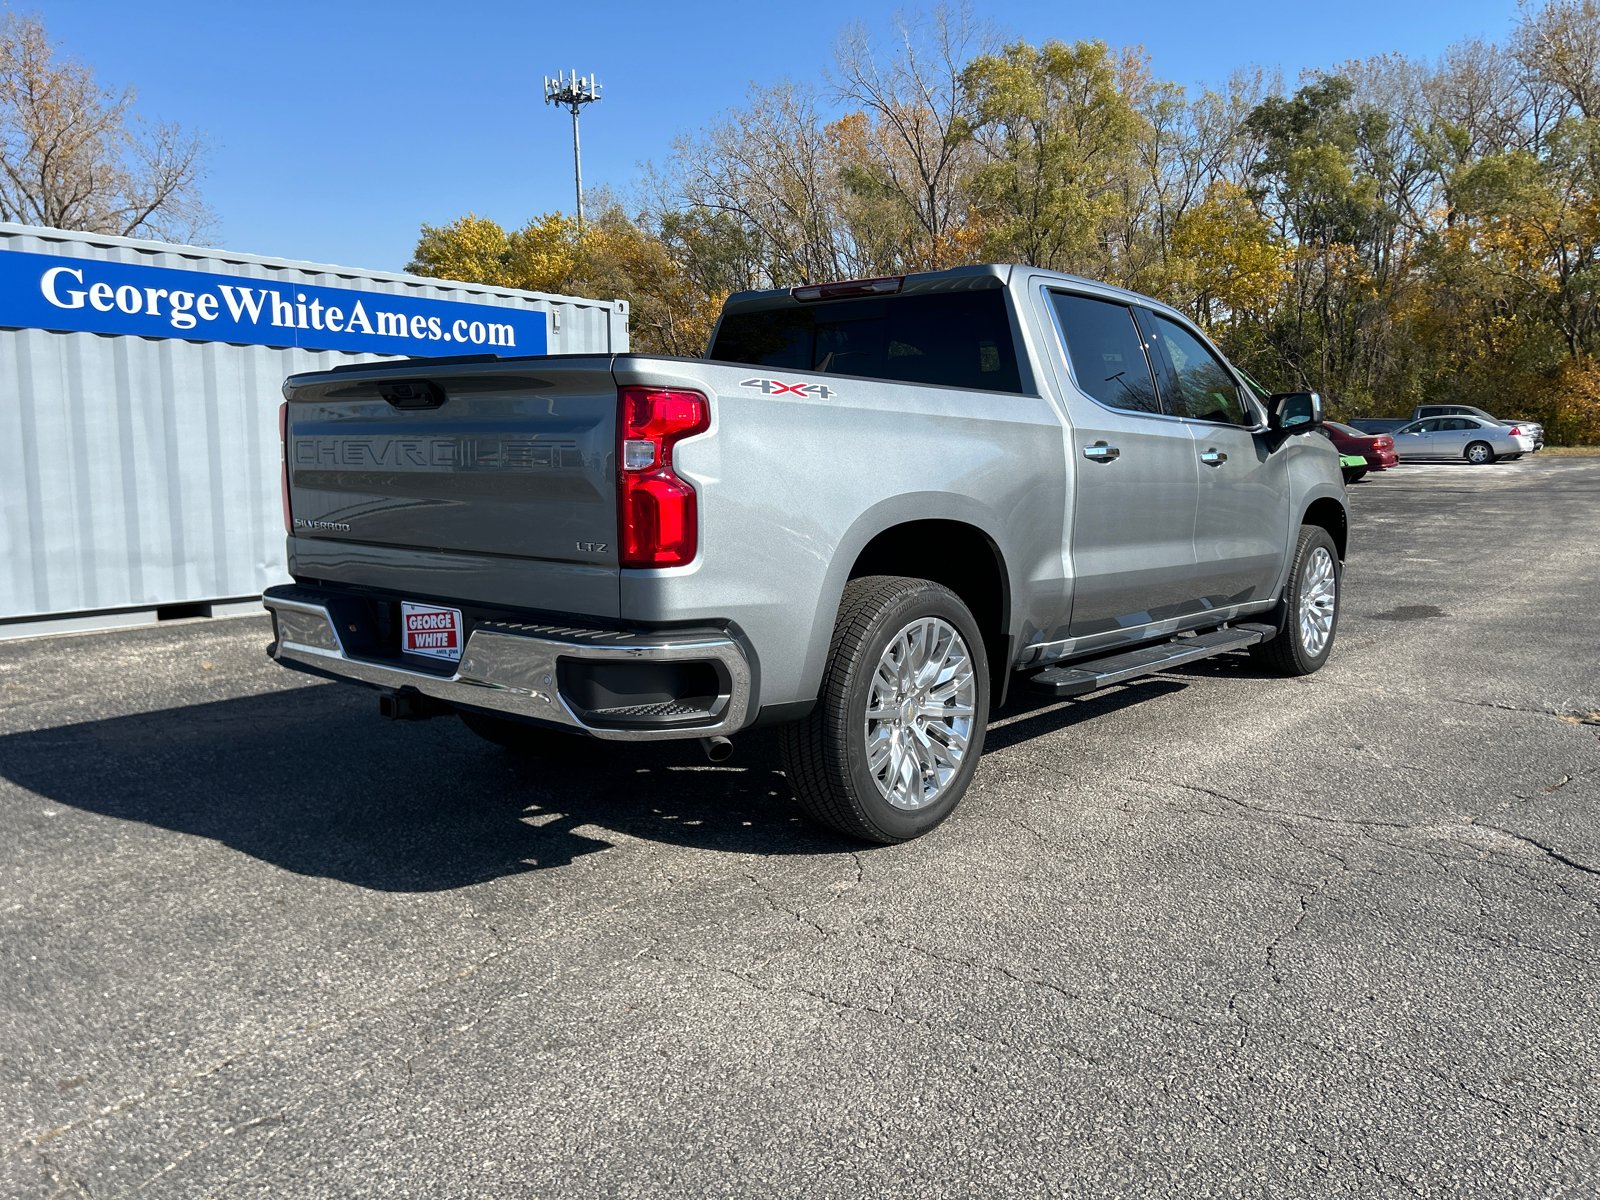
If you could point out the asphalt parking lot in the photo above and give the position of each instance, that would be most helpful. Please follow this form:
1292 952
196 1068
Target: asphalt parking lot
1212 935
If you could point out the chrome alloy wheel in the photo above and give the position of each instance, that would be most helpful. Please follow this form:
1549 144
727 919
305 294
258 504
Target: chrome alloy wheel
1319 593
920 709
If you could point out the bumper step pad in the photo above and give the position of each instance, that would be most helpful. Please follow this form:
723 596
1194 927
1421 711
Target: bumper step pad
1098 673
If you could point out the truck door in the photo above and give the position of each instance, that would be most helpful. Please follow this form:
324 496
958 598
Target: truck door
1241 530
1132 535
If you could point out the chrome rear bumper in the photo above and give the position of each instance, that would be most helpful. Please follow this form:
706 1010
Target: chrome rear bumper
514 669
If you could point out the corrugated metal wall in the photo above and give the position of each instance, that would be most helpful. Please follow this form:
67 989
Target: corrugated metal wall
143 472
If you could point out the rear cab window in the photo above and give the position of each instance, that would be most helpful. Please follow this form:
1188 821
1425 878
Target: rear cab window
954 339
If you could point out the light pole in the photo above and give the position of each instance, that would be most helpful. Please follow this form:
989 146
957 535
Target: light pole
573 94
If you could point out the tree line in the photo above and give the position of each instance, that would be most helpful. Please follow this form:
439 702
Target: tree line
1387 232
1391 231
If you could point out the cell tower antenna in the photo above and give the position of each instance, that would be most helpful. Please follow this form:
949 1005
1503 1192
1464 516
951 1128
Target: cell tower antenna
573 94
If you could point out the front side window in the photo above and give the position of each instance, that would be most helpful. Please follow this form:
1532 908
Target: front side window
1107 353
958 339
1207 390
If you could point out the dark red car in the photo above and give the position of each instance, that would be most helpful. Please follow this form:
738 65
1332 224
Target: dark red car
1376 448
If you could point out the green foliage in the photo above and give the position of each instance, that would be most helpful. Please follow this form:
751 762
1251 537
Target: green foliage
1059 134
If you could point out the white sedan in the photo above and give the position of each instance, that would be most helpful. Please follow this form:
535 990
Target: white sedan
1478 442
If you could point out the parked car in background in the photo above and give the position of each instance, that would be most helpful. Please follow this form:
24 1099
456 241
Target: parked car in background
1479 442
1378 424
1532 428
1376 451
1353 467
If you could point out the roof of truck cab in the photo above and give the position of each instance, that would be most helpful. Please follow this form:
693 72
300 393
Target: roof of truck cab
981 276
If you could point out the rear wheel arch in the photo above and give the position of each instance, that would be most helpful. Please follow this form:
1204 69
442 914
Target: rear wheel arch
961 557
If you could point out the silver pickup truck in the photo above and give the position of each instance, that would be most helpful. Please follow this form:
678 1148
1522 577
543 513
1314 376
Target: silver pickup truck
870 508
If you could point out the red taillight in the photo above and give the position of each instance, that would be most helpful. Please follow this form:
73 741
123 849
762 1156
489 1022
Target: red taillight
1515 432
283 459
1386 443
657 525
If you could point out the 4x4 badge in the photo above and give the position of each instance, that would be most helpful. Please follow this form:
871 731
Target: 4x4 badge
776 387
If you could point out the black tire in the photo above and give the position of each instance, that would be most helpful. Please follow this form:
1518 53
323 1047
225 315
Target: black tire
1480 454
522 737
1287 654
1354 474
825 754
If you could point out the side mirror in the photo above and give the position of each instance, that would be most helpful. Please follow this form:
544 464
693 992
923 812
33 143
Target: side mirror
1294 412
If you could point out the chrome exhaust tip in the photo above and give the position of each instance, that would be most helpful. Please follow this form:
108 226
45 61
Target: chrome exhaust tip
718 749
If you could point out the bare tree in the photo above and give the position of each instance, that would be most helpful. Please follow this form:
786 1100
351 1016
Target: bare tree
1481 93
1560 44
73 156
918 149
769 166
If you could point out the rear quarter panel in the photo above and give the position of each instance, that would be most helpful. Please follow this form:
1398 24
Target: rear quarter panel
792 487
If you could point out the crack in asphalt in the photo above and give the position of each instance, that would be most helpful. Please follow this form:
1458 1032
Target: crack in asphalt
1571 718
1373 823
1549 851
1505 1108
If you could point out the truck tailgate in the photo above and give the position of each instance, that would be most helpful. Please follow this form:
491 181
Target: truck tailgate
505 459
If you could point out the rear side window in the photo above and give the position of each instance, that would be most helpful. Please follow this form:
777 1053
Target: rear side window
958 339
779 337
1107 353
1207 390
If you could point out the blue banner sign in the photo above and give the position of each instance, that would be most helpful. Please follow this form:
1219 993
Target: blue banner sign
86 295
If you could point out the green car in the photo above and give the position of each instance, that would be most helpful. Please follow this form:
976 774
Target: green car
1354 466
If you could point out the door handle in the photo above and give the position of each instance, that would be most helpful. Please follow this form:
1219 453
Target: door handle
1100 452
1213 458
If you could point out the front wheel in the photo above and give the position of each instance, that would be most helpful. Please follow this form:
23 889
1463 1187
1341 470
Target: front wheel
1309 614
894 739
1480 454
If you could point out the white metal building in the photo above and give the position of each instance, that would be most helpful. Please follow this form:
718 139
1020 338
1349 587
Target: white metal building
139 393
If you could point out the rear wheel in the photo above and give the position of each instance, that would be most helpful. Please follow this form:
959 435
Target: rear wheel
1480 454
1309 613
894 739
522 737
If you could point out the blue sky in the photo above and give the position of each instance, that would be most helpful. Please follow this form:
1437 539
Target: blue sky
338 129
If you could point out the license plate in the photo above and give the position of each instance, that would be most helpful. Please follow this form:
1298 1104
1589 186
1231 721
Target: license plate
431 631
